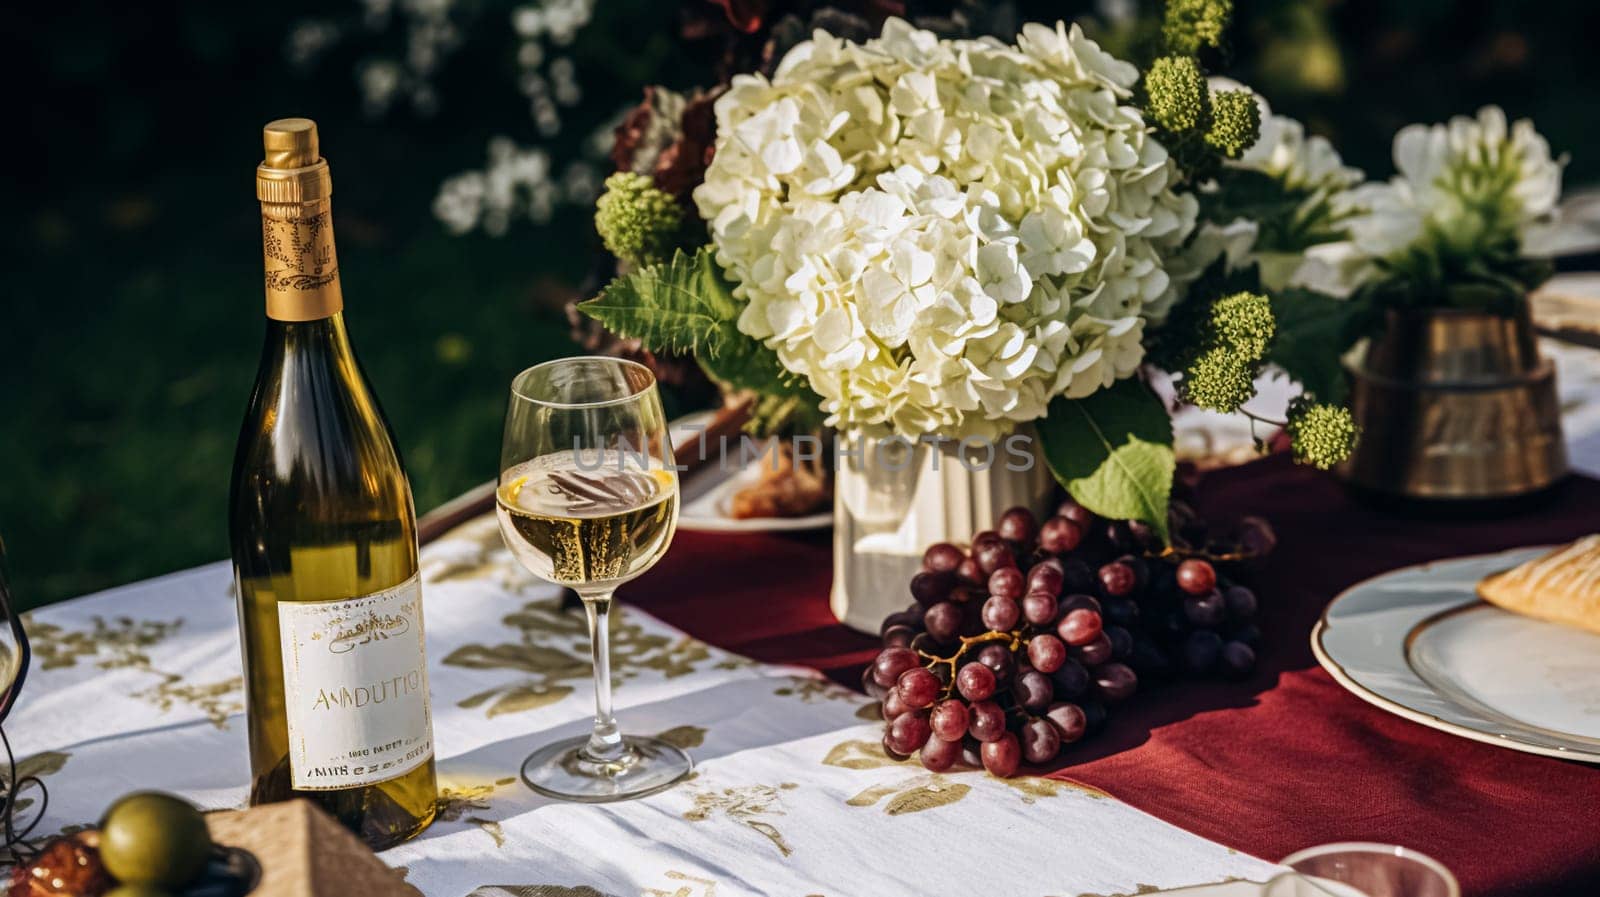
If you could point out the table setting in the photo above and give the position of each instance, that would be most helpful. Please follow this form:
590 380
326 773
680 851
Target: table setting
1104 491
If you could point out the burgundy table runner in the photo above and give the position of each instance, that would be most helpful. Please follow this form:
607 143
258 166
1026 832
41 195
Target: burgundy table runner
1281 761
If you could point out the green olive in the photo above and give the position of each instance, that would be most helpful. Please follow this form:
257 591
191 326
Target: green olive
137 891
154 839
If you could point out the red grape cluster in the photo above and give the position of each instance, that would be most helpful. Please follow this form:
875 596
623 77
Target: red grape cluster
1015 649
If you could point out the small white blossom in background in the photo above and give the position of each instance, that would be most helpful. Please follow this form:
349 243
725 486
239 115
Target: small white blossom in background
553 85
380 81
308 40
942 236
429 34
522 182
1461 189
432 30
515 183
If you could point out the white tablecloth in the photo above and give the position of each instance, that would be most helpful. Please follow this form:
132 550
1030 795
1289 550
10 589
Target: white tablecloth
139 687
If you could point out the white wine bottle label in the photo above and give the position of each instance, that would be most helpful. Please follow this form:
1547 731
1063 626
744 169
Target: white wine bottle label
355 680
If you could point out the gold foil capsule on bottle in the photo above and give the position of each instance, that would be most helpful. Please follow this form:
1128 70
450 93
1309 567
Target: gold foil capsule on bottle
294 186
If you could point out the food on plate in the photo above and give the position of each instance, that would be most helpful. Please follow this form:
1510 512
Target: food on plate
1562 586
786 489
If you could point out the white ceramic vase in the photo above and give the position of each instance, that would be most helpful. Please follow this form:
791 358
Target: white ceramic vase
893 499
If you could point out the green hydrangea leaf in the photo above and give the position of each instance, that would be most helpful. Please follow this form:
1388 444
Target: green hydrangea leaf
1112 451
686 306
1313 333
682 306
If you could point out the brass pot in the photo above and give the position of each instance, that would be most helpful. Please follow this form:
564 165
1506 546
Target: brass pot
1454 404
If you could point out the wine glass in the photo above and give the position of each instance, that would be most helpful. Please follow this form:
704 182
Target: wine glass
588 499
1362 869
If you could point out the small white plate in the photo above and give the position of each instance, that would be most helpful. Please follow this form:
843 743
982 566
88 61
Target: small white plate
707 494
1417 642
709 508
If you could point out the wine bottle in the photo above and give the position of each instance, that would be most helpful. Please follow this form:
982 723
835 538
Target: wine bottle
324 540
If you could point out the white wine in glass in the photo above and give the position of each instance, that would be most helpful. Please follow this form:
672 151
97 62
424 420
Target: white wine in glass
589 528
588 499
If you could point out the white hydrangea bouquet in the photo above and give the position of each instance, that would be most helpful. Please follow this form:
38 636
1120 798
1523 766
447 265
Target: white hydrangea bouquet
925 237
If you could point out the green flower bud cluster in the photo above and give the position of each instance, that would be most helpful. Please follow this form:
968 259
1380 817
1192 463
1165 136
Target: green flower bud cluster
1320 434
1199 126
1235 122
639 223
1219 380
1243 322
1178 98
1190 25
1231 342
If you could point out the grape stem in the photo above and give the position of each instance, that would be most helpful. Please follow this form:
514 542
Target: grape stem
1014 642
1184 554
1012 638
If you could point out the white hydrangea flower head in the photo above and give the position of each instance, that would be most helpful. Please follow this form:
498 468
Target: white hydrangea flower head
942 236
1461 186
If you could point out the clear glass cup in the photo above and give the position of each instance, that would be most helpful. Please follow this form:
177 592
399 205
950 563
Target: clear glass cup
1363 869
588 499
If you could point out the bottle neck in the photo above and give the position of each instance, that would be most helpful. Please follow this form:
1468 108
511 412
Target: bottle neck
321 335
302 269
314 348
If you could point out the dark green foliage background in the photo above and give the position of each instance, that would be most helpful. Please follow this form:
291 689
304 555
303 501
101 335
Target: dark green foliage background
130 316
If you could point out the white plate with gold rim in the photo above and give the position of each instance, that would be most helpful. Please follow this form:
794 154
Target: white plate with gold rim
1417 642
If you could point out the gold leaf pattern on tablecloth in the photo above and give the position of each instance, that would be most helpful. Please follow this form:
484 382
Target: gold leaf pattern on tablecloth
123 643
456 801
1034 787
554 649
859 754
694 887
488 561
1138 890
41 766
813 688
913 795
684 737
745 805
217 700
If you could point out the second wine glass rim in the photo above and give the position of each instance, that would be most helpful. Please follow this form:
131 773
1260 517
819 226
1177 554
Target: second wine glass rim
650 380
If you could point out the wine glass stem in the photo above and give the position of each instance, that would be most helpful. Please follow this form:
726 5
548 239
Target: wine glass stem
605 742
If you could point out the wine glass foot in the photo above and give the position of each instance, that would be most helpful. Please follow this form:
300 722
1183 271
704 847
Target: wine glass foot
562 771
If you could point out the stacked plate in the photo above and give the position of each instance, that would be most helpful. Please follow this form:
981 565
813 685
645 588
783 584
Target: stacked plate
1419 643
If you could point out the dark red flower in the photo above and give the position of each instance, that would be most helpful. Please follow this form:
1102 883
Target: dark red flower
745 15
630 133
682 164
